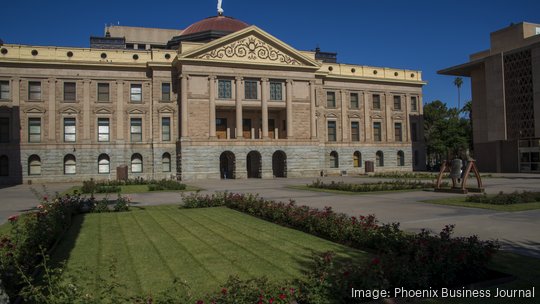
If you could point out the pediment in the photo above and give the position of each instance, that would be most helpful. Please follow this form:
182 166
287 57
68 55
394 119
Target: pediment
250 46
103 111
376 116
35 110
69 111
330 115
136 112
166 110
354 115
397 117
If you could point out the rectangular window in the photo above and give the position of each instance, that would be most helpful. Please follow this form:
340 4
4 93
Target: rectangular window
166 128
34 130
166 91
4 90
70 91
103 92
221 128
354 100
136 129
34 90
332 131
103 129
330 99
377 134
414 104
397 132
4 129
224 89
376 102
414 131
136 93
276 91
250 88
397 103
69 129
355 131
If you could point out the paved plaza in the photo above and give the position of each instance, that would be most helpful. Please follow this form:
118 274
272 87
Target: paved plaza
517 231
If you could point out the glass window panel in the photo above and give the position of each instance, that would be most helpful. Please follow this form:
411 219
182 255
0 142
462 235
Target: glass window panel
276 91
331 99
250 87
331 131
103 92
354 100
103 129
70 91
355 131
397 132
34 129
376 102
397 102
414 104
377 136
166 128
34 90
224 89
166 91
136 93
4 90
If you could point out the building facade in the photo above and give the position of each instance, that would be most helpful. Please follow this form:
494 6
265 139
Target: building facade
220 99
506 100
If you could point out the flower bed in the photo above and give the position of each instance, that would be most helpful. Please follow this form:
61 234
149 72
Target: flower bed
115 186
505 198
372 187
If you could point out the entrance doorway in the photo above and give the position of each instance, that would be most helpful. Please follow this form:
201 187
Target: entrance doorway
254 165
279 164
227 165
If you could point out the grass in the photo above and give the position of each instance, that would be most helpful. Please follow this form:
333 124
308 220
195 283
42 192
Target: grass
460 201
307 188
155 245
134 189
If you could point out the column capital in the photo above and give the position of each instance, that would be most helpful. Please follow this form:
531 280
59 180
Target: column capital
239 78
186 76
265 79
312 83
290 81
212 77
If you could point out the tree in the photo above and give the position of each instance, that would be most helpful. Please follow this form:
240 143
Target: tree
458 82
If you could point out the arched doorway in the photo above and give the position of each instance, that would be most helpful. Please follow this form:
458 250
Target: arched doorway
227 165
254 164
279 164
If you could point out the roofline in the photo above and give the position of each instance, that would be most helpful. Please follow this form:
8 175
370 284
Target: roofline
464 69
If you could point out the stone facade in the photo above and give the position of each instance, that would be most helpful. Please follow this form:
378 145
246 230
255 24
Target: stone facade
163 107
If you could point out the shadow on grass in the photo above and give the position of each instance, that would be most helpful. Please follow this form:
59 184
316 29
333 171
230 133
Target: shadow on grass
62 251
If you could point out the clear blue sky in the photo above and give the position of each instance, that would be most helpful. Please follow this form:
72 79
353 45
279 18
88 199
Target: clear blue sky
423 35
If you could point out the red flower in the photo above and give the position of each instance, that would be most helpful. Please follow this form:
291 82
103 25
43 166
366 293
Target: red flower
271 300
200 302
13 218
45 198
376 261
282 296
224 291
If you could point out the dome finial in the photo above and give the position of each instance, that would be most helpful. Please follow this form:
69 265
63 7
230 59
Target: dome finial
219 9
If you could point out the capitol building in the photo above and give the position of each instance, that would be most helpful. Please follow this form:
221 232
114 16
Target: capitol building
218 99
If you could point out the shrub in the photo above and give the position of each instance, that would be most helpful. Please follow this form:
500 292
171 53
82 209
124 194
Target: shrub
121 204
505 198
166 184
370 187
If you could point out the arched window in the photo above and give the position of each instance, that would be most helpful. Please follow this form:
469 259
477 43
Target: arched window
400 158
357 159
4 165
334 159
136 163
70 164
166 162
380 159
104 164
34 165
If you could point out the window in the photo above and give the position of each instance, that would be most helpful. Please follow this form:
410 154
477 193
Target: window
354 101
224 89
377 134
250 89
34 165
276 91
376 102
136 129
104 164
70 91
397 132
69 129
330 99
70 164
4 165
166 162
355 131
136 163
334 159
400 158
166 91
4 129
34 130
103 92
414 104
379 158
414 131
4 90
331 131
166 128
397 103
103 129
34 90
136 93
357 159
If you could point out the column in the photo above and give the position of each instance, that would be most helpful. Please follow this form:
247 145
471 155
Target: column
289 109
86 111
239 107
120 111
16 99
313 96
344 122
212 119
264 102
407 127
52 110
184 104
388 103
367 118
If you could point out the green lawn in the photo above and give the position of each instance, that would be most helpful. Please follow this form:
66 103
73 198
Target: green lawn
154 245
134 189
460 201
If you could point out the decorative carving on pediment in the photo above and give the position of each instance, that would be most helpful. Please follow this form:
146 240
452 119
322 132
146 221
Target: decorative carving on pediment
330 115
69 111
166 110
354 115
376 116
251 48
35 110
136 111
103 111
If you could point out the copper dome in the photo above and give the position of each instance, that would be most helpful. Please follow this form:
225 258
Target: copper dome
215 23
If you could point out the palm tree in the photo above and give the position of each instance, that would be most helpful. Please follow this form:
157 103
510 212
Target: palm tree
458 82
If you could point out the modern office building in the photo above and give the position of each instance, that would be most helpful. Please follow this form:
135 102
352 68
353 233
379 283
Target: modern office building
506 100
219 99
